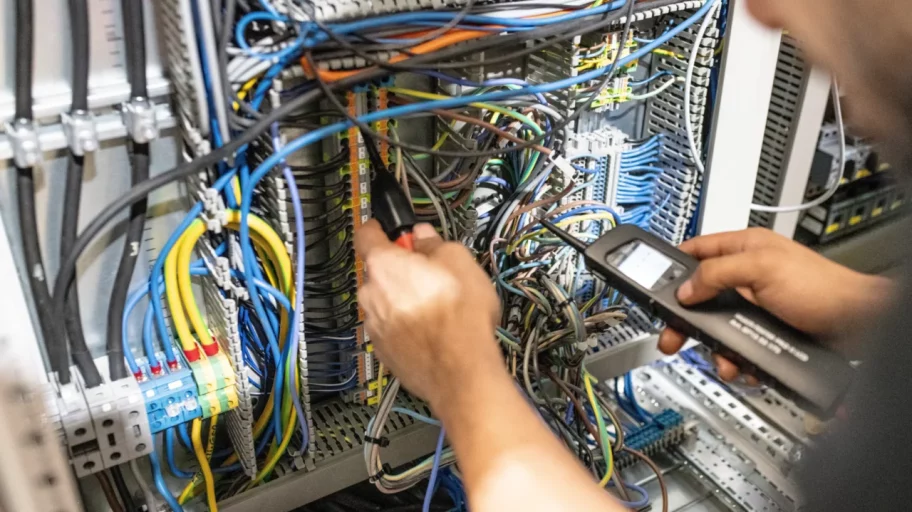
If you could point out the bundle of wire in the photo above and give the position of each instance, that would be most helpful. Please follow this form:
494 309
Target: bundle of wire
499 136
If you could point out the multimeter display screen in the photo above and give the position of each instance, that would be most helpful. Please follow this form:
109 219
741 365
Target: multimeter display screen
645 265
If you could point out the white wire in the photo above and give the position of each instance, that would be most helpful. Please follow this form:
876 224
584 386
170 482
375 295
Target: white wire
836 172
688 85
655 92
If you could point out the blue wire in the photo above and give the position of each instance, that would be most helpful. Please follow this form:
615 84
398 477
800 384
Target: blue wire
587 208
493 179
638 83
642 502
160 482
628 389
298 311
432 481
420 417
169 454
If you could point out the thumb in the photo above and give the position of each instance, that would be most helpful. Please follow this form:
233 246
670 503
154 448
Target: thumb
715 275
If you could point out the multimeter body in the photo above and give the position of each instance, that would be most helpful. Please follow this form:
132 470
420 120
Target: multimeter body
648 270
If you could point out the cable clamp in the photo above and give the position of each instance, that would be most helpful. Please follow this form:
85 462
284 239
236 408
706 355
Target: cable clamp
385 470
139 119
23 137
214 213
79 128
383 442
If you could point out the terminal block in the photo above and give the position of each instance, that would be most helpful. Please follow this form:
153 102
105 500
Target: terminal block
215 383
665 430
171 398
121 422
77 426
104 426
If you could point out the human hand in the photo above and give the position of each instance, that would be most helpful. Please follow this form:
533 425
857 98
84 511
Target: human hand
794 283
430 313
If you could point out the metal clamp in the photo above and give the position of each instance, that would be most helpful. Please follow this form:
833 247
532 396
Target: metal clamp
23 136
139 119
79 128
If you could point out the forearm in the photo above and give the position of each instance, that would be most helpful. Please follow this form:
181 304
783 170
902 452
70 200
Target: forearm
509 459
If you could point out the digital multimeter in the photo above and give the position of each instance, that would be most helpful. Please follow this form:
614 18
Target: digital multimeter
649 271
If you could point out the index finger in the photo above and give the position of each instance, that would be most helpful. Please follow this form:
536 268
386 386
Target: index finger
370 238
723 244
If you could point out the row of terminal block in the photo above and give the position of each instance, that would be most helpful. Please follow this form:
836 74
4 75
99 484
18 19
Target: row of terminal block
113 423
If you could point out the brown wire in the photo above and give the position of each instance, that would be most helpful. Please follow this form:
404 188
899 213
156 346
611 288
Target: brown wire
580 411
109 493
652 465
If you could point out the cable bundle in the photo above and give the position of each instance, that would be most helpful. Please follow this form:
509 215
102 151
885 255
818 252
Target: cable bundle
495 170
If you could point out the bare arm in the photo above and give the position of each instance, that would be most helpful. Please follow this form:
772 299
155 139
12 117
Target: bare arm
431 315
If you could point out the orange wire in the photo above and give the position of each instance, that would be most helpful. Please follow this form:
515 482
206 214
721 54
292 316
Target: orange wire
452 37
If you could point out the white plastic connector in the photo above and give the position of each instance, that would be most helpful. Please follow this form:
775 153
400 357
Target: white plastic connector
23 137
564 166
214 212
79 128
139 119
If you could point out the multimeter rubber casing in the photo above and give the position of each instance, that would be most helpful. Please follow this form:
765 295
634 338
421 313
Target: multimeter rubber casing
648 270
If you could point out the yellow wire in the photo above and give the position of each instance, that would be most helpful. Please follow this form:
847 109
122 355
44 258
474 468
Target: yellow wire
603 431
184 252
202 458
172 294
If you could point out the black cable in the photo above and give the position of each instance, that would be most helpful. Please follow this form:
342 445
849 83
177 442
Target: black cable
79 27
67 268
79 15
121 485
25 36
139 172
139 164
34 268
25 197
135 40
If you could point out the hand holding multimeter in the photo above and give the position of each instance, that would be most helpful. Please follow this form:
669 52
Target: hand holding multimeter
649 271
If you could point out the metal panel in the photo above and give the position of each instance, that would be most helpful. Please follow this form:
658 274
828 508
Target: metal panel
339 428
52 61
107 176
797 107
745 86
803 146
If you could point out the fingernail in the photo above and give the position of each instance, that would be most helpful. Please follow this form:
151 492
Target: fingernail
424 230
685 291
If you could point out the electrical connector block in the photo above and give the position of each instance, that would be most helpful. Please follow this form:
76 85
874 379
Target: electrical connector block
79 127
120 419
215 382
171 398
23 136
78 429
139 119
665 430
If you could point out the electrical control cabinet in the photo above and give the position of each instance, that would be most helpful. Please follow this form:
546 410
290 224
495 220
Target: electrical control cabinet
249 380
